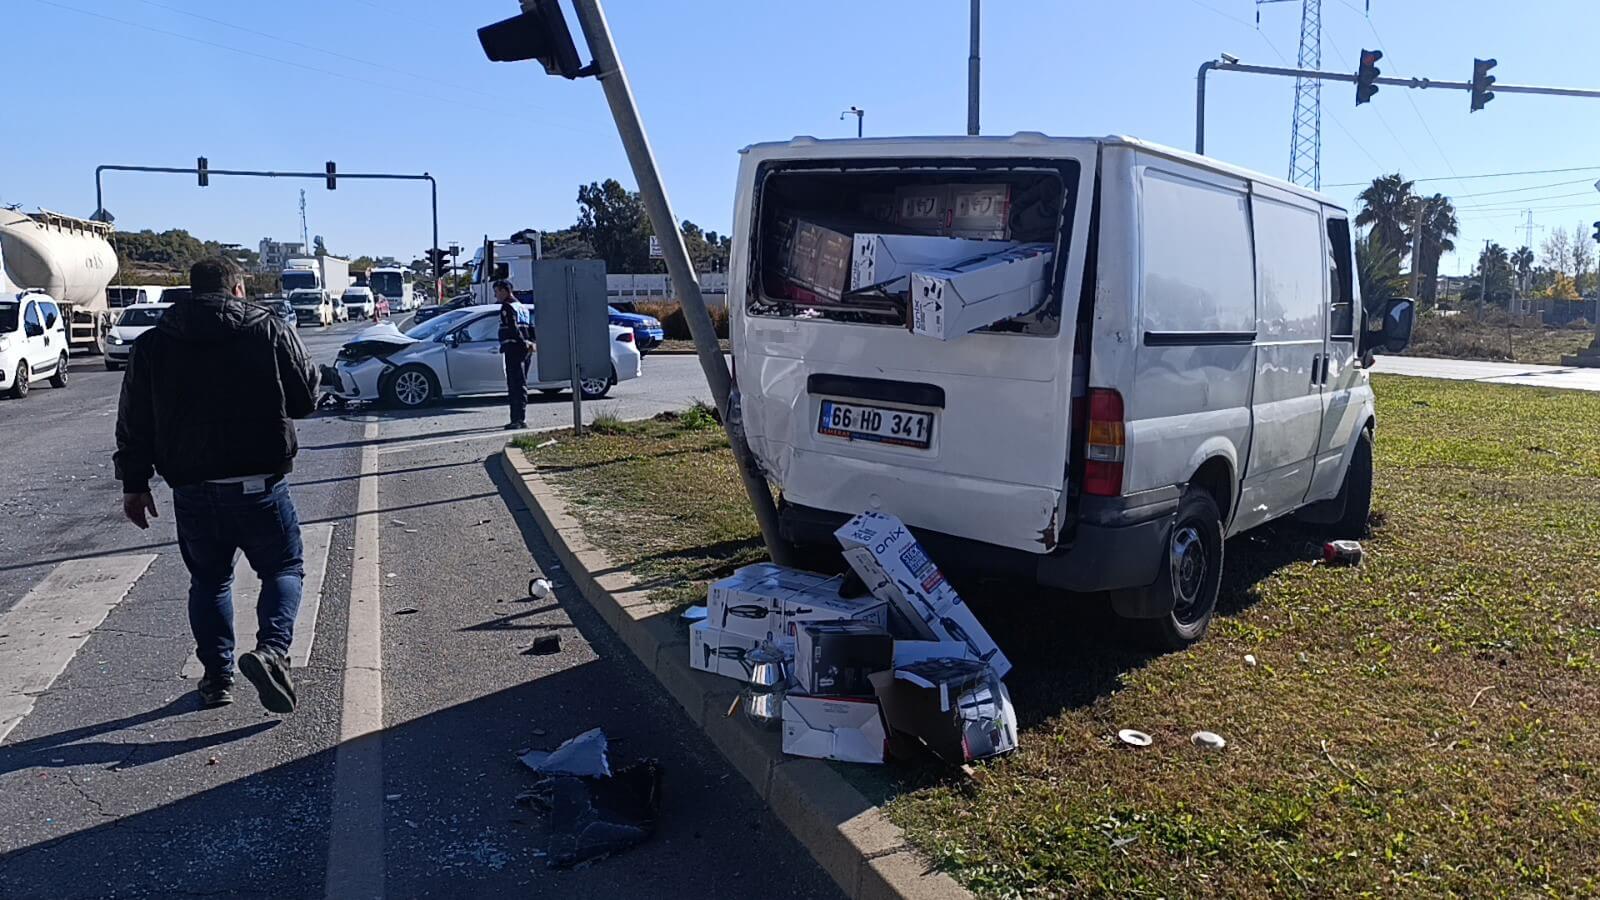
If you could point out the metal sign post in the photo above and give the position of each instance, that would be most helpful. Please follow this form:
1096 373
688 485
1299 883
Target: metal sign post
572 351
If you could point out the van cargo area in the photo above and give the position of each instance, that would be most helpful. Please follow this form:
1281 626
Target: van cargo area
845 245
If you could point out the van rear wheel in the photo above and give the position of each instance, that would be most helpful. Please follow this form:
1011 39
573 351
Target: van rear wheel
1194 575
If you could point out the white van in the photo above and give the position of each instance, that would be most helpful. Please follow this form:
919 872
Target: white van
121 296
1192 368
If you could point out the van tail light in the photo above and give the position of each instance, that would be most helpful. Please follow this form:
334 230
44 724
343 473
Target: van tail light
1102 469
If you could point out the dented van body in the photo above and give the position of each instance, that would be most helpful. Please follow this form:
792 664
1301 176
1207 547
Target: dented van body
1186 327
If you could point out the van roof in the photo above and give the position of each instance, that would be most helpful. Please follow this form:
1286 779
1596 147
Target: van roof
1030 142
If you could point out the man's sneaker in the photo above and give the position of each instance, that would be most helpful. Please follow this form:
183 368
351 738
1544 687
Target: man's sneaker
216 690
268 670
516 426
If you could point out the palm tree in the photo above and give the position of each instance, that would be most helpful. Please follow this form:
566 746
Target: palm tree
1439 225
1497 262
1388 208
1378 271
1522 261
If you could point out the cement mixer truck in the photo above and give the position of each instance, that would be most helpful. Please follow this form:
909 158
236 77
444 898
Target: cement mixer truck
69 259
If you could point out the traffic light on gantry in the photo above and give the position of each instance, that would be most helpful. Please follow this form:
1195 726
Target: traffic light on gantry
333 181
1481 82
201 169
1367 76
1597 232
539 32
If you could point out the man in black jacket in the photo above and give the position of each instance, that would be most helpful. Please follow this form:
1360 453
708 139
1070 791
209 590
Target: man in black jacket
515 345
208 402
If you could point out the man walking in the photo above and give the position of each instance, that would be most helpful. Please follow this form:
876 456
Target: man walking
207 402
515 345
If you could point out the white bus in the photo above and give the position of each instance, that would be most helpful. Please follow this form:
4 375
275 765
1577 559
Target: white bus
396 284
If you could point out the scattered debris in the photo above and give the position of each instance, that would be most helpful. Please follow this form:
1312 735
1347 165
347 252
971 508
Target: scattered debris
591 818
1250 659
211 761
582 755
397 522
480 522
1342 553
1135 738
1208 739
539 588
1479 695
546 644
406 611
391 797
694 614
539 732
389 575
549 443
411 531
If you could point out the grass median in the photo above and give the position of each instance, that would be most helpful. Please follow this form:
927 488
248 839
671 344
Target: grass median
1425 724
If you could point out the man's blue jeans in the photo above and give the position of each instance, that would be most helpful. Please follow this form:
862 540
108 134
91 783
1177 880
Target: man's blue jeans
215 521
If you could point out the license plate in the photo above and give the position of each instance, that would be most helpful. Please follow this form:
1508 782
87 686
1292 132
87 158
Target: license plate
882 425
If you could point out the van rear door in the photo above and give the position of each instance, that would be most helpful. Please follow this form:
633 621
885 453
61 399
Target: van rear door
847 408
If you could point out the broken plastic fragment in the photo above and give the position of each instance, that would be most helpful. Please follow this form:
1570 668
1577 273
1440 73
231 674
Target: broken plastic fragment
592 818
1208 739
582 755
540 588
1249 659
549 443
694 613
1135 738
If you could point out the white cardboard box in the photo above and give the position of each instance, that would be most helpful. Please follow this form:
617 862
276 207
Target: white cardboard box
896 568
750 601
947 303
822 603
849 729
880 258
719 652
958 709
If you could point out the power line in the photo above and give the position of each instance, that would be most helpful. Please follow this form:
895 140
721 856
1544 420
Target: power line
1483 175
1531 187
1524 201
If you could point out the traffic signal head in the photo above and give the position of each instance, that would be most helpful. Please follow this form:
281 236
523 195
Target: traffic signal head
333 181
1367 76
538 32
200 166
1597 232
1481 82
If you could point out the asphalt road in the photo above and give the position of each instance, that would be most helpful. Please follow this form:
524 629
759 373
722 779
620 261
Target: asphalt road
114 783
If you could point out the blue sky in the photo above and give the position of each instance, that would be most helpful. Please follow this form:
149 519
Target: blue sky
402 86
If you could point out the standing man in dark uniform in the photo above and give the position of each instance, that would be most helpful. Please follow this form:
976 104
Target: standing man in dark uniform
515 345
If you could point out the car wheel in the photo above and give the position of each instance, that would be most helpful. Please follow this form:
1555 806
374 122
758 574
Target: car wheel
597 388
59 379
1356 492
1194 560
19 387
411 387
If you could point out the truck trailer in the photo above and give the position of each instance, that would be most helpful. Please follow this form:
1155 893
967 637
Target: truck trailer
69 259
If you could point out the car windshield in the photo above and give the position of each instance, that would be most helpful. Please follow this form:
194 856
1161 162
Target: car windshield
312 299
303 278
140 317
8 317
438 325
356 296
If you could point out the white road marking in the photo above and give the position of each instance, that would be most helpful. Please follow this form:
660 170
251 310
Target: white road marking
42 633
315 540
355 833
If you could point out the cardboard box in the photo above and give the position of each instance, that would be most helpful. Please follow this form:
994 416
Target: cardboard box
835 658
750 601
896 568
811 256
958 709
719 652
889 259
849 729
979 211
949 302
822 603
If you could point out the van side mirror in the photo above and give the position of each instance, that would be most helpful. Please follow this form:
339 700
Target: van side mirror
1390 332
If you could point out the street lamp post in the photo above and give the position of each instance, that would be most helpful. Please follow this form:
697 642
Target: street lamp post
858 113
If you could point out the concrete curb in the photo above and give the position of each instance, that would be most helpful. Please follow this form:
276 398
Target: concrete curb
682 352
849 837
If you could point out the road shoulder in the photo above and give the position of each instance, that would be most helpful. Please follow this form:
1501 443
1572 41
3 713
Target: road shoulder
848 836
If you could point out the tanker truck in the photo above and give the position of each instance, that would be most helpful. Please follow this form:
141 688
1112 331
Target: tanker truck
69 259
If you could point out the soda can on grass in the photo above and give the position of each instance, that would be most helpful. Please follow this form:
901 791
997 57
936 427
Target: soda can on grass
1342 553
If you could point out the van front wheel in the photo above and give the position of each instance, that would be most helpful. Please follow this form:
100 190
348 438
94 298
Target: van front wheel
1194 574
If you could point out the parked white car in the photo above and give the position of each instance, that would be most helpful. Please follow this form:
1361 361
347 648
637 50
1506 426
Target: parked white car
33 343
1189 364
134 321
359 303
454 355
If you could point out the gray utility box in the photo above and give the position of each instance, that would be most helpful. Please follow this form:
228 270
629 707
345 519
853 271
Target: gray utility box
569 308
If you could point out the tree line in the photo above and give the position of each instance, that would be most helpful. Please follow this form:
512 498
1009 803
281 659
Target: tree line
1409 231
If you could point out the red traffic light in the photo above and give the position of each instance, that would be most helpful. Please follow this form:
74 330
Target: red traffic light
1367 75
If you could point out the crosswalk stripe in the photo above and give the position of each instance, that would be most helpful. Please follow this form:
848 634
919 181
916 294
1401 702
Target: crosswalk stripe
41 634
315 541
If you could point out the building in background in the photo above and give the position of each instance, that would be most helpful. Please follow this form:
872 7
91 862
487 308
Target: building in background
275 253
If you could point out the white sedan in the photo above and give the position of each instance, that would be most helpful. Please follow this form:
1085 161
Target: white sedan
134 321
456 354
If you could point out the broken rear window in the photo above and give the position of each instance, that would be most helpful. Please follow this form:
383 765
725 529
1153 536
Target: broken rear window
843 244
